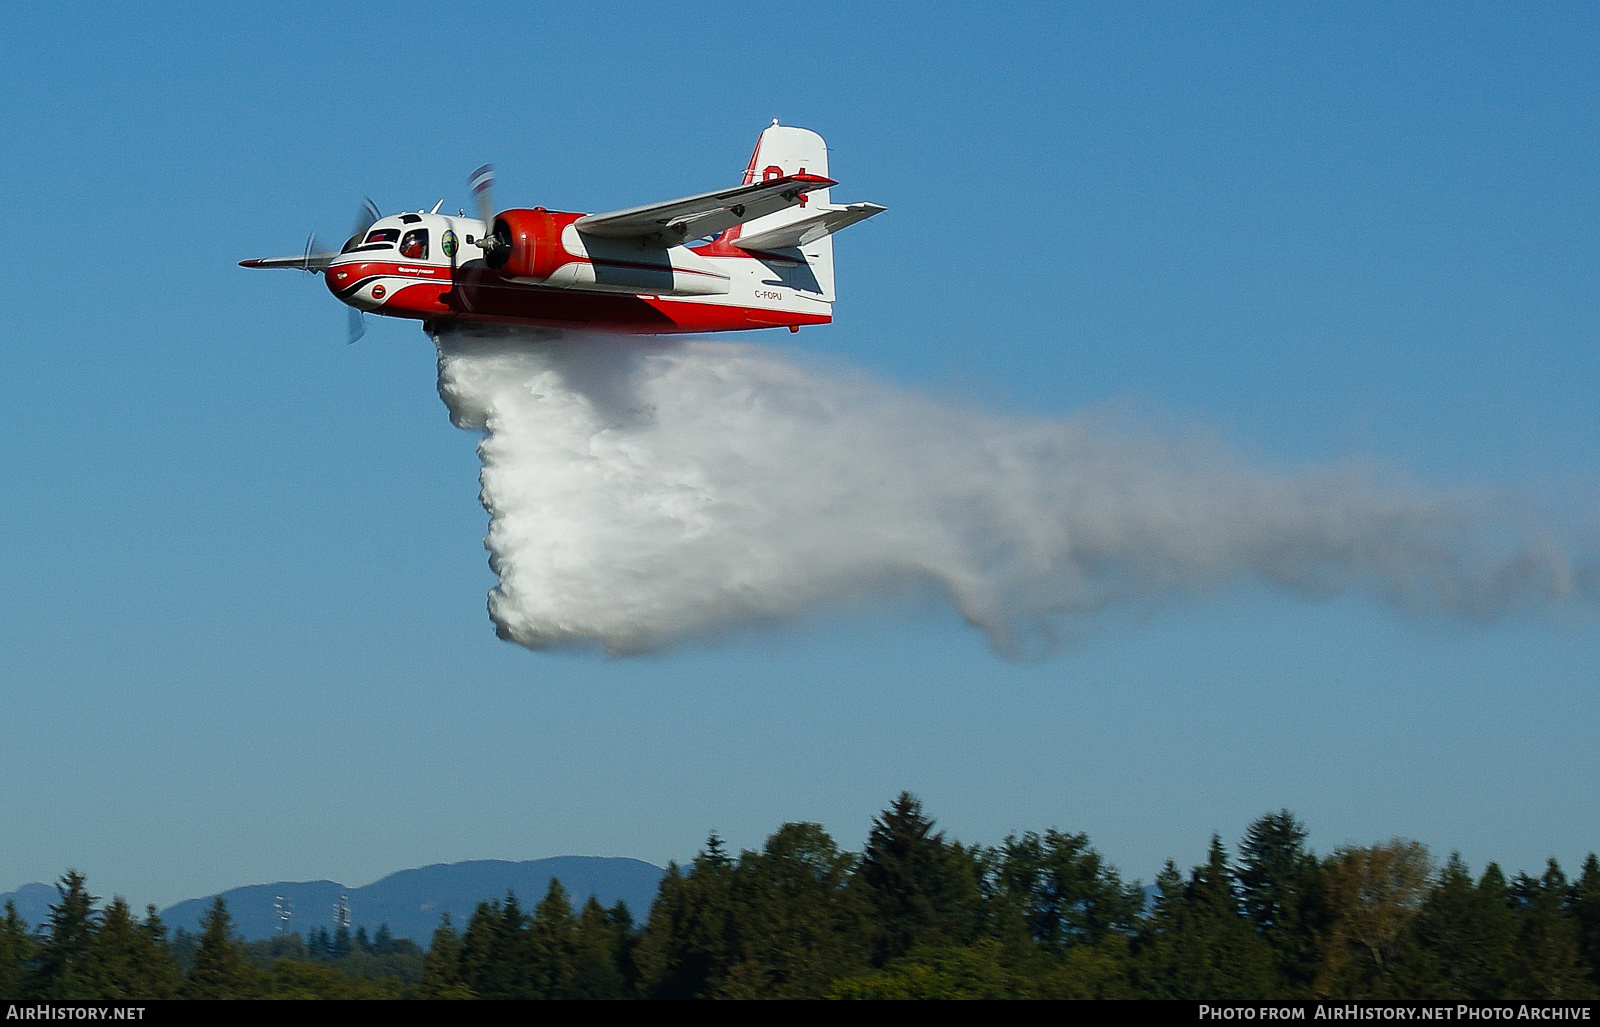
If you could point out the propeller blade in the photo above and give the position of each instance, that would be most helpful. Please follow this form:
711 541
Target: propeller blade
457 277
312 249
482 185
365 216
355 320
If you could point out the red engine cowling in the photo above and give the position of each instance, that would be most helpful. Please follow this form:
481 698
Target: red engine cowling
529 243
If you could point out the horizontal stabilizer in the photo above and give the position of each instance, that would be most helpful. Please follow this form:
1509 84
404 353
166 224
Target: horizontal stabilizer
827 220
692 217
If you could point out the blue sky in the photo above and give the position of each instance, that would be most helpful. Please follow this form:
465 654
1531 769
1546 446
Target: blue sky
242 629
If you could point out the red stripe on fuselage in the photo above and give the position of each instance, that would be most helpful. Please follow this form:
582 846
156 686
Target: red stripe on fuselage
480 295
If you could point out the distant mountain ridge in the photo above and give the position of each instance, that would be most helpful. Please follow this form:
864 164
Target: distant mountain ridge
32 901
409 901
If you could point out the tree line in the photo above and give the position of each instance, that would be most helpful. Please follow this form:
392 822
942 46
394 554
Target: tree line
913 915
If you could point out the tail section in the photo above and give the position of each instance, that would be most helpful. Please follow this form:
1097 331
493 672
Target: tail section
803 232
783 150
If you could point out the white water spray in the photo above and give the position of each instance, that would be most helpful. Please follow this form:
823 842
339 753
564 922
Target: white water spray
646 493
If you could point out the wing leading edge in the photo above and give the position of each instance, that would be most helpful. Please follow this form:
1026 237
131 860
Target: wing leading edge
303 261
706 214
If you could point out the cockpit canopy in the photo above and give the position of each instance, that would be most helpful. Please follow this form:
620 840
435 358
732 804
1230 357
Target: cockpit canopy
412 246
377 239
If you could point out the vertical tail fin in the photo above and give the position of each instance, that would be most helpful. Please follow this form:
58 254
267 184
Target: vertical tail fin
781 151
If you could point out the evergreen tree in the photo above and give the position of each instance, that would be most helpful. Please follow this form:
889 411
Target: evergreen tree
1497 905
551 938
1547 961
715 853
109 967
483 952
1198 944
62 967
1280 891
1584 905
383 941
496 954
1065 894
16 952
686 947
919 889
183 947
625 941
798 925
220 968
595 950
1465 932
342 945
441 971
154 961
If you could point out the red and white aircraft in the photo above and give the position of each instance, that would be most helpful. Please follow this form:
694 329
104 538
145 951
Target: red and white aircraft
758 255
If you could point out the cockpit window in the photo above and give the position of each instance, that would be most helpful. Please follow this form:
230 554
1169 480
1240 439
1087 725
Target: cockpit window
415 245
378 239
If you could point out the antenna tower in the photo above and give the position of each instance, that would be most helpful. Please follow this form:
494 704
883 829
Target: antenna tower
283 909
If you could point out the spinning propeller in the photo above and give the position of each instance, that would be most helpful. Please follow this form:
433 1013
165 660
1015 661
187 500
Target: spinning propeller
356 320
482 185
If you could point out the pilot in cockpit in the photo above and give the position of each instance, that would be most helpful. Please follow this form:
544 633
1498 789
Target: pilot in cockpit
415 245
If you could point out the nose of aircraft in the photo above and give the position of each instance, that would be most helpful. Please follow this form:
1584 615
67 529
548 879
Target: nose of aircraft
358 283
340 280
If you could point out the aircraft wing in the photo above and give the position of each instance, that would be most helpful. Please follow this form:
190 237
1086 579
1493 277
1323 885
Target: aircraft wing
303 261
707 214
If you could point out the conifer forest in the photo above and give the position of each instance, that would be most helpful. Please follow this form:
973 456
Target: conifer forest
914 914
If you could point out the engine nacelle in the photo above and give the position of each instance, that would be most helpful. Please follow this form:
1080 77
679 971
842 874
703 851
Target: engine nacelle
542 247
529 243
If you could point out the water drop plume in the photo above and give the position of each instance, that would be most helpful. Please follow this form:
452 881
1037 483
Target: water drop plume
646 493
